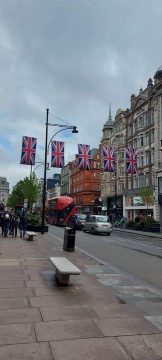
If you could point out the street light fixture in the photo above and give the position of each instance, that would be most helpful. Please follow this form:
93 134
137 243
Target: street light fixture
42 163
64 127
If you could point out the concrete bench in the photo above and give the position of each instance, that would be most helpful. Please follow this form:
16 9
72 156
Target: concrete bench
64 268
30 235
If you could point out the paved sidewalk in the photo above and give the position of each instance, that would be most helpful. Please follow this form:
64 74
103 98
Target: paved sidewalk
142 233
100 315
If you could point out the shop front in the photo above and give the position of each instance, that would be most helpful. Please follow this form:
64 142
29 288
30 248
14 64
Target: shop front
134 207
115 208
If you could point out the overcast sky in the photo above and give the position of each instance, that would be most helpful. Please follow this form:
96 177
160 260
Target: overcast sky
73 57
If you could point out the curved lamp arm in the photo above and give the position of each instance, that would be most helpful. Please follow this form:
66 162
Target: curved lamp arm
65 128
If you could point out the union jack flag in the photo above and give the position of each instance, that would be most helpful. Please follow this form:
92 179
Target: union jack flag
57 154
131 161
84 157
28 150
109 159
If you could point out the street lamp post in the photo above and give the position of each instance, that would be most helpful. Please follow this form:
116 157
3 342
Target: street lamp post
64 127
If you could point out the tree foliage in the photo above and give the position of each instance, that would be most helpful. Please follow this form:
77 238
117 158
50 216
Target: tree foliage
29 188
147 196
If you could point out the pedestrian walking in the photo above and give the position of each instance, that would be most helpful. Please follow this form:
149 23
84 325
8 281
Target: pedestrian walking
14 224
22 224
6 223
2 224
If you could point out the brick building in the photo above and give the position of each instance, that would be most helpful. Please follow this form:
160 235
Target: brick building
85 185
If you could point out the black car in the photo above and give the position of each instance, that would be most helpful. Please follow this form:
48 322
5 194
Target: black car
77 221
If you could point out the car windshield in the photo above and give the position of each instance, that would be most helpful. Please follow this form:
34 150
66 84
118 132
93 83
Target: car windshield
102 219
81 217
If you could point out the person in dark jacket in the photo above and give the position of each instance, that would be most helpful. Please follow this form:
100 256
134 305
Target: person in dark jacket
22 224
2 224
14 224
7 217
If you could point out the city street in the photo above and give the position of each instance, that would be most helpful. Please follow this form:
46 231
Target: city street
138 256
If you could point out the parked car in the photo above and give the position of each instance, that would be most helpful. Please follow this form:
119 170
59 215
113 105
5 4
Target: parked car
76 221
97 224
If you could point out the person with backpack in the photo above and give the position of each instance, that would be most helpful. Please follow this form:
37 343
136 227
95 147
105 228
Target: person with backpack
14 224
22 224
6 223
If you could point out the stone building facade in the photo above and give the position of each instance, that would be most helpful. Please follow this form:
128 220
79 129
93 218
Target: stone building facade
4 190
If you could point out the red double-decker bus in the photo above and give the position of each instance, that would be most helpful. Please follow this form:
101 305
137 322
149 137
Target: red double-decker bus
60 209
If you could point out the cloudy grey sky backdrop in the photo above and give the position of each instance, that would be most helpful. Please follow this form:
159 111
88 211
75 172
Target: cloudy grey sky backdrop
73 57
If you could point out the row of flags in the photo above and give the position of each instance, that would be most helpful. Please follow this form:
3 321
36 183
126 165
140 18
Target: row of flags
84 157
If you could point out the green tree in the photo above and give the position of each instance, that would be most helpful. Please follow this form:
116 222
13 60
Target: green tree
147 196
30 188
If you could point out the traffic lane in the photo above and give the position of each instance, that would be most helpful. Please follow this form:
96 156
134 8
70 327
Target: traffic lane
124 251
137 259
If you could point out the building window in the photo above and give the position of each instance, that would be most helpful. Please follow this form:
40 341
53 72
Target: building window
135 182
129 130
147 138
152 136
140 122
152 155
121 170
147 179
142 180
121 154
146 121
129 183
135 126
135 143
147 158
140 160
152 115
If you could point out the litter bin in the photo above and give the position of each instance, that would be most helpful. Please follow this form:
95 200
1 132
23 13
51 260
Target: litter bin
69 239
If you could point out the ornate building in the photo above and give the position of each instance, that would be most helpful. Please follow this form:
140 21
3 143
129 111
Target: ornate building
85 185
4 191
113 184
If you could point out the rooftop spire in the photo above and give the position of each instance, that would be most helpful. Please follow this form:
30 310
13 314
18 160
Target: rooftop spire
110 118
109 122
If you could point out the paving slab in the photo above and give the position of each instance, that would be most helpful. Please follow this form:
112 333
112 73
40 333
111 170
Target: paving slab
52 300
12 284
155 320
95 300
16 334
67 312
139 298
55 291
89 349
118 310
18 316
69 329
13 303
125 326
32 351
114 280
39 283
14 277
99 269
10 262
23 292
151 308
143 347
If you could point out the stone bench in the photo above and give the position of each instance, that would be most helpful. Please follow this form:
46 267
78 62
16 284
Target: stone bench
64 268
30 235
